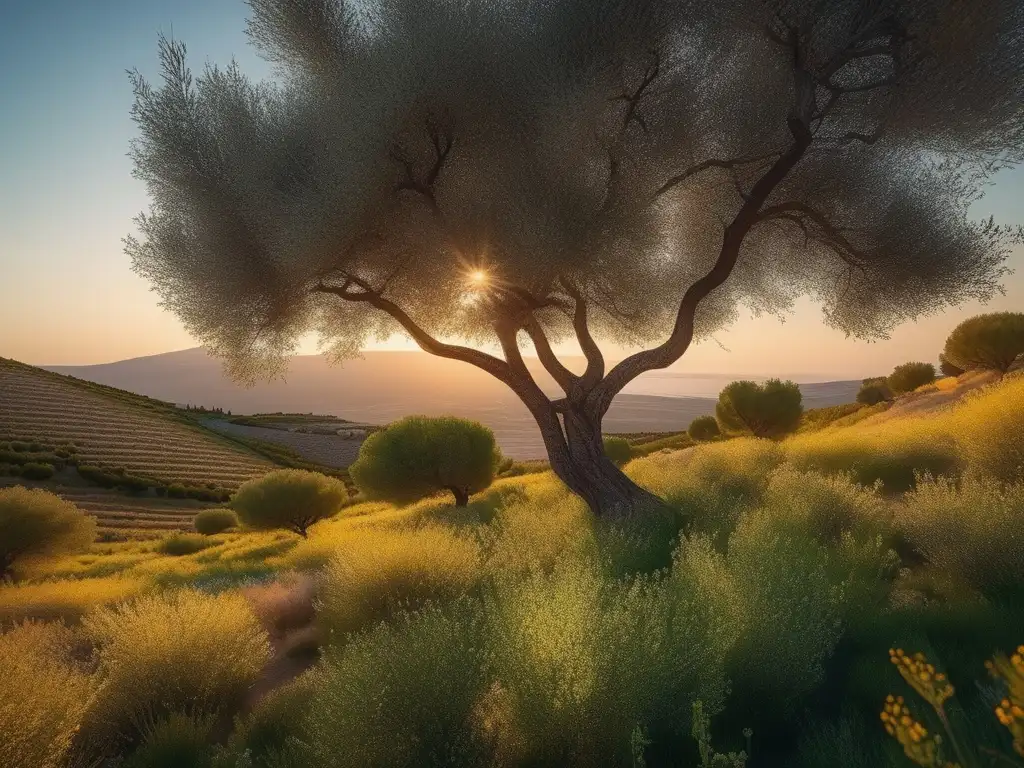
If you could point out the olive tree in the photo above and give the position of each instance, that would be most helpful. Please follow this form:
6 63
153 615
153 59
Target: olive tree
479 174
292 499
418 456
909 376
990 342
772 409
703 428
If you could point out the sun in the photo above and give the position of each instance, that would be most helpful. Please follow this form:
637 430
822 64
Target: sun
478 277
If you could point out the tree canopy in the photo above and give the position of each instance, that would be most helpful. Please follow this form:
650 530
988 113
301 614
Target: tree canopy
522 173
909 376
292 499
418 456
991 342
772 409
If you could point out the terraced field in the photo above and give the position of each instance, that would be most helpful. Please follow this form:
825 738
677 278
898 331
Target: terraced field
117 429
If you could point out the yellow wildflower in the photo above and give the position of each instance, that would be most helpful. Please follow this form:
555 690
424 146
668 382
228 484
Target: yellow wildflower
918 744
932 686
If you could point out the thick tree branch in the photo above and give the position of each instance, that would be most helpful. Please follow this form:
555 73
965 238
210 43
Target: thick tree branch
442 143
566 379
682 333
595 359
492 365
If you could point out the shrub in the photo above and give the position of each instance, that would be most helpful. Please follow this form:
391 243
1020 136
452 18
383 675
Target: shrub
892 453
987 342
293 499
910 376
269 731
36 523
101 477
174 741
970 532
717 482
584 658
213 521
791 607
36 471
177 491
375 573
703 428
874 393
989 426
769 410
179 544
43 696
617 449
418 456
182 651
403 695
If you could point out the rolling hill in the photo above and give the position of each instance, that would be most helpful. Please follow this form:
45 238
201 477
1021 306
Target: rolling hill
383 386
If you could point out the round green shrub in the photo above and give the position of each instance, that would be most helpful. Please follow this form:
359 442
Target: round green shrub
213 521
419 456
34 470
703 428
179 544
989 342
873 393
769 410
293 499
176 491
910 376
617 449
36 522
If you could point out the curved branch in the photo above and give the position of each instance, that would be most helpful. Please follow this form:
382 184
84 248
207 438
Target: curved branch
834 238
693 170
566 379
679 340
492 365
595 360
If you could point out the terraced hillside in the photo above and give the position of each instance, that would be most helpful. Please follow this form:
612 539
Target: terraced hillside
113 428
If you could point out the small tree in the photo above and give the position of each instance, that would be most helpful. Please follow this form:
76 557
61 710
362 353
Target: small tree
874 391
987 342
703 428
947 367
213 521
910 376
293 499
617 449
769 410
37 523
418 456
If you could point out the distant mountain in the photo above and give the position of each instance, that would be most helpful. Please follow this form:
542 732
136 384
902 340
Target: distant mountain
383 386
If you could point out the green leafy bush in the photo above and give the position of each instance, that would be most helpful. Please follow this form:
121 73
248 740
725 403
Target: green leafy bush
37 523
769 410
987 342
910 376
213 521
617 449
43 695
703 428
179 544
269 732
405 695
874 392
36 471
176 491
183 651
948 367
378 573
174 741
970 532
292 499
418 456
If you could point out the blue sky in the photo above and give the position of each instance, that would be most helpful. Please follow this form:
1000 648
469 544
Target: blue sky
67 294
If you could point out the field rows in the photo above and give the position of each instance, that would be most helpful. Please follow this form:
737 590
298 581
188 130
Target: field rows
109 431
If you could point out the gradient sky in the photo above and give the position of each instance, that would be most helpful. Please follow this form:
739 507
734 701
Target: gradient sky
67 294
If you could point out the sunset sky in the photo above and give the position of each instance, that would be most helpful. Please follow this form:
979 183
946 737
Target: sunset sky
67 294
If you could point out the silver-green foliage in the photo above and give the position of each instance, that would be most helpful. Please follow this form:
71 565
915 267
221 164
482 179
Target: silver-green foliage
420 456
288 498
